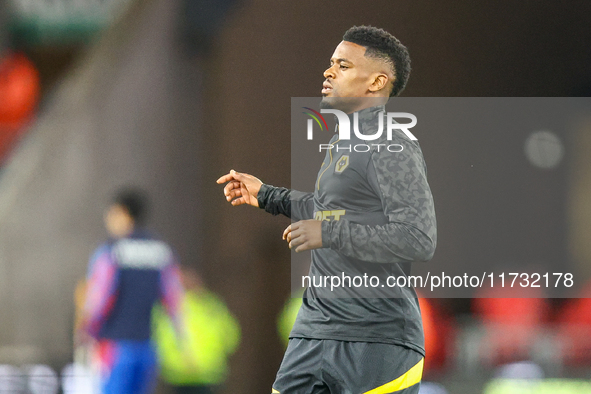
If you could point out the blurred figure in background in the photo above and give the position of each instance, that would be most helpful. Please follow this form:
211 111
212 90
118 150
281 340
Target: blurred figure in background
199 363
20 91
127 276
79 377
288 316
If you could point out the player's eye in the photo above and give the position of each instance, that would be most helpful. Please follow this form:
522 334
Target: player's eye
343 67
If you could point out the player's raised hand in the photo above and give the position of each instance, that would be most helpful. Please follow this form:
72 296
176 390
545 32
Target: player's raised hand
241 188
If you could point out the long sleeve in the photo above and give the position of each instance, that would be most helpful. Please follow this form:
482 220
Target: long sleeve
400 180
291 203
101 292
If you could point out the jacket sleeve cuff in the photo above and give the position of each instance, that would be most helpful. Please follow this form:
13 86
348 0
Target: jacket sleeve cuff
263 195
326 233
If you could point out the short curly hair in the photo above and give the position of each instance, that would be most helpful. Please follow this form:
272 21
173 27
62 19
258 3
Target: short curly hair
382 45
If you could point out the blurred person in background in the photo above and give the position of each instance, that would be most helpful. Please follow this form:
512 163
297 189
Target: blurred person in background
127 276
292 305
198 364
288 316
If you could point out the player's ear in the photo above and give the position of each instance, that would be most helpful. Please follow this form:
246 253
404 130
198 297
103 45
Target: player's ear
379 82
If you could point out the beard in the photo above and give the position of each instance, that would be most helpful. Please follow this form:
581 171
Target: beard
345 104
327 103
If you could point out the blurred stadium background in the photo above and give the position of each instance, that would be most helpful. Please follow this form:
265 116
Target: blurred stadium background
170 94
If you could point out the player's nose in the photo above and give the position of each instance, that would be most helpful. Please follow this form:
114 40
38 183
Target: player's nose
329 73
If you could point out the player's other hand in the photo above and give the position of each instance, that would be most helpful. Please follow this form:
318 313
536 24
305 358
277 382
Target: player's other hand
304 235
241 188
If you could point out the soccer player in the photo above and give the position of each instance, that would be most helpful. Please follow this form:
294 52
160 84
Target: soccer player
375 216
127 276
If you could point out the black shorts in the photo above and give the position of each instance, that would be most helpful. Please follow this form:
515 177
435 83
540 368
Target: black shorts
322 366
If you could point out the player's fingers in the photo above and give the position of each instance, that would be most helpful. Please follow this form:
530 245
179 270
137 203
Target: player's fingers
301 247
292 241
295 228
238 176
288 237
234 194
296 238
296 231
238 201
286 231
243 189
231 186
225 178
